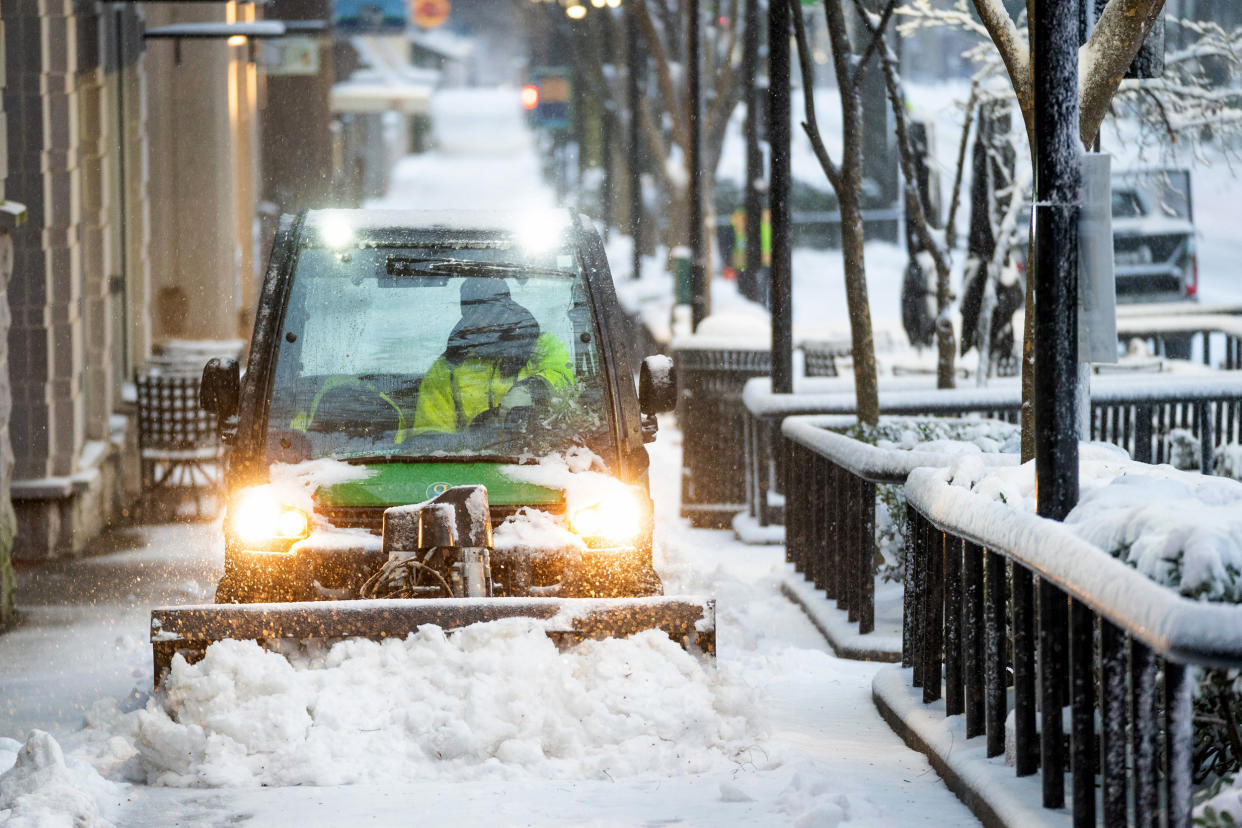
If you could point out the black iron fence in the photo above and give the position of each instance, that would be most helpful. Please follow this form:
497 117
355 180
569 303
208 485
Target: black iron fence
1185 330
713 421
830 536
711 416
1003 604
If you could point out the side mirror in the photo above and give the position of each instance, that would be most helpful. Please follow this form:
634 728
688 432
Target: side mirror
220 389
657 386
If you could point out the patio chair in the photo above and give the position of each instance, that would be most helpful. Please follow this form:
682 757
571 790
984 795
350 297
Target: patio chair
178 442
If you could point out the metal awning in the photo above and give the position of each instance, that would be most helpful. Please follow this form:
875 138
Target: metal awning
218 31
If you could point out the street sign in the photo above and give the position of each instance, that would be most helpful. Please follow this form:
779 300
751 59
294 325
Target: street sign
1097 280
370 16
290 56
430 14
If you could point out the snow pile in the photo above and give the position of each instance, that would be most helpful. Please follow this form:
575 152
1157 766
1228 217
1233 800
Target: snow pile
952 438
1181 529
295 484
533 530
494 700
941 435
41 789
578 472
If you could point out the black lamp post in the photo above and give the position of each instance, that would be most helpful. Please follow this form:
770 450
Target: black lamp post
779 184
749 277
699 301
633 60
1058 185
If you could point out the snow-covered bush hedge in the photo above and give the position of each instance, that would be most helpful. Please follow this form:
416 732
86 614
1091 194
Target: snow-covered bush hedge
952 437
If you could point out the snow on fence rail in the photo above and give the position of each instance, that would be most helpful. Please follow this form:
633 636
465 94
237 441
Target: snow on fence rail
1137 414
1171 329
960 618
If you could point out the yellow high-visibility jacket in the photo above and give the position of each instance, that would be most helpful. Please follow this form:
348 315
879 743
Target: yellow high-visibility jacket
449 398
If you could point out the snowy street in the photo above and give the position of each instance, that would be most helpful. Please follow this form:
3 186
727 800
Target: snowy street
492 725
813 750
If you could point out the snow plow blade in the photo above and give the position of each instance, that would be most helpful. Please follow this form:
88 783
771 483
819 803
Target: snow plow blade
189 630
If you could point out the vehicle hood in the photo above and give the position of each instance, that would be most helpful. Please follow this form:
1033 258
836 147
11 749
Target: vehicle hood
398 484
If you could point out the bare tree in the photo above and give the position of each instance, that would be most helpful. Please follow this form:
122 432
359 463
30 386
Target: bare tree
1103 60
846 176
666 130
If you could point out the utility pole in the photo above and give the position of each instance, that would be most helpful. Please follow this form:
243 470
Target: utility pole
748 279
632 59
1058 185
700 302
1058 182
779 184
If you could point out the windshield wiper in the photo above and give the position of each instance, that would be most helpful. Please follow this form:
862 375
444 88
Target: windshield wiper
464 267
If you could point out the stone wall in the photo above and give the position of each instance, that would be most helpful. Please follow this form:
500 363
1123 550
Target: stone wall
64 115
8 523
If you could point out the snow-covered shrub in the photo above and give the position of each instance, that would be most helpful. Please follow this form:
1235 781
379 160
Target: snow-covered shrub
931 434
1227 461
1183 449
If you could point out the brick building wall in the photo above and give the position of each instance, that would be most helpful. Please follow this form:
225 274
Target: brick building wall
8 523
62 133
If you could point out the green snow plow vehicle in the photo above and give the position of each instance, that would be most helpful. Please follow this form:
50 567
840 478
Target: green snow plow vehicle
437 425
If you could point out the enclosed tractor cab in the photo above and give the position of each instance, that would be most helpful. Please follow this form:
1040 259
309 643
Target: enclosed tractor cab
437 425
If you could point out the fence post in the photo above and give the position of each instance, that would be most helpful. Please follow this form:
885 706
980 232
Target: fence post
1178 734
1082 702
1207 441
866 557
1144 733
933 615
1113 721
996 697
919 532
1051 657
907 594
1024 670
972 614
954 704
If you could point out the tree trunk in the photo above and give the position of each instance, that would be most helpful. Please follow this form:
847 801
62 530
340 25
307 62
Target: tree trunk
862 341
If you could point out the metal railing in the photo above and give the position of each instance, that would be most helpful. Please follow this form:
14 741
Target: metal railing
992 592
1138 416
830 534
1174 330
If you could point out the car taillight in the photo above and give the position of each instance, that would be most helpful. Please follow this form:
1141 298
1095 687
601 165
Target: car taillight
1192 287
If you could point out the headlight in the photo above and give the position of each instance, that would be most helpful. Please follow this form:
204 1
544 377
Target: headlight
619 518
261 521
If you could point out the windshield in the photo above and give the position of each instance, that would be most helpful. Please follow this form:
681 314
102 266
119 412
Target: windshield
477 351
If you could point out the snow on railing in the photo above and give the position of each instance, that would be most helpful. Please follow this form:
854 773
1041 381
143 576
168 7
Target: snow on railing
963 549
1139 414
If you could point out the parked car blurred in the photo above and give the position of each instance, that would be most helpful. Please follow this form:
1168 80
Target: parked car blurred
1154 236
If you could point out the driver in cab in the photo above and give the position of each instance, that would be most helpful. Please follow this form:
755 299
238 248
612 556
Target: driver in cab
496 367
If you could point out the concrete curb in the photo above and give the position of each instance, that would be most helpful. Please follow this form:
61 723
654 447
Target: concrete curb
749 532
987 786
835 626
